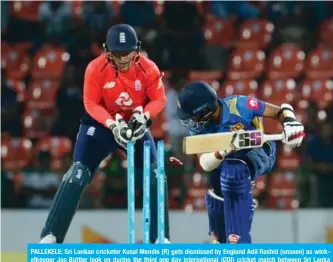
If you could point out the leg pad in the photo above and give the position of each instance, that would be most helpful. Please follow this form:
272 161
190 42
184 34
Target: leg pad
238 202
66 201
215 209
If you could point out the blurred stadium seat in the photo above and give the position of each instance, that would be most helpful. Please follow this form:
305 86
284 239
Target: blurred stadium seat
16 62
37 123
16 153
320 91
20 88
208 76
49 62
219 32
319 63
239 87
211 77
57 146
282 190
195 199
255 33
286 61
41 94
276 91
246 64
287 159
272 126
25 10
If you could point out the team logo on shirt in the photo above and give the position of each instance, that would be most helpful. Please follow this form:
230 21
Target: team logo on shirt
237 127
252 103
124 99
109 85
137 85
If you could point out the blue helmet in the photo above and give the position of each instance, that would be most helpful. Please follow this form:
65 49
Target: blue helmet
197 101
122 38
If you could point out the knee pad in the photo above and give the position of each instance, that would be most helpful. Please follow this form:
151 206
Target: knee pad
66 201
78 174
215 209
235 177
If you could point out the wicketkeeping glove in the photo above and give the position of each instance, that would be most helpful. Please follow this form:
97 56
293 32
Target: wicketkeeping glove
121 132
139 123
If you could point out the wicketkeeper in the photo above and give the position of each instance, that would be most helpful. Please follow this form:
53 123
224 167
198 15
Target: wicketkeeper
122 92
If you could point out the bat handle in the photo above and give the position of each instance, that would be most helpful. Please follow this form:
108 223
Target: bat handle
274 137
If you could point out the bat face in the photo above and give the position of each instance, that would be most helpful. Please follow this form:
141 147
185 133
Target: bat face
247 139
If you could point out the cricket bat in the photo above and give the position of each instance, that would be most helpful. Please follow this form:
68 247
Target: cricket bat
219 141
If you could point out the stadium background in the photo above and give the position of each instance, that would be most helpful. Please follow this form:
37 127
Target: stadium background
276 51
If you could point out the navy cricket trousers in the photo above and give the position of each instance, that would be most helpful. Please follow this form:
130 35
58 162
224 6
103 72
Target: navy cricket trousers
95 143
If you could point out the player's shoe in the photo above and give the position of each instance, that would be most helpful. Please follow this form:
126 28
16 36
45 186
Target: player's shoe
233 239
49 239
215 238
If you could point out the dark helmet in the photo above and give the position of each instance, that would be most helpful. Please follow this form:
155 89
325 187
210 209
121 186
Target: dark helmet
194 98
196 103
122 38
121 43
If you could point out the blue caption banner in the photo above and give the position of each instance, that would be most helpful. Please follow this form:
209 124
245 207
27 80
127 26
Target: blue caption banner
180 253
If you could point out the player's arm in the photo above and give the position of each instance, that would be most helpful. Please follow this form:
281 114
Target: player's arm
293 130
92 95
278 112
211 161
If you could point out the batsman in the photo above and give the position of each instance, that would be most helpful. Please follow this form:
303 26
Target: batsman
123 91
230 203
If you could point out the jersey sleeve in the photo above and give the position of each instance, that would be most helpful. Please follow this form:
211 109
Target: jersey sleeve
250 107
92 95
155 92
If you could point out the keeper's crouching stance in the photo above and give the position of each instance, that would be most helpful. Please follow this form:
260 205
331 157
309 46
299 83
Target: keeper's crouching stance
122 92
230 204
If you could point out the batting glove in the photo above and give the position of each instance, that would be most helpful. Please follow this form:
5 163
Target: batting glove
293 130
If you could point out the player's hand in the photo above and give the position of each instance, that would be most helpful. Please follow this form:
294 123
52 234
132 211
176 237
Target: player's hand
121 132
294 133
139 123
